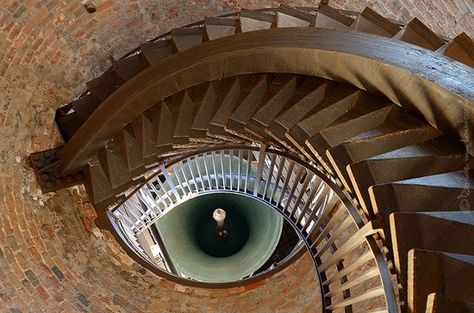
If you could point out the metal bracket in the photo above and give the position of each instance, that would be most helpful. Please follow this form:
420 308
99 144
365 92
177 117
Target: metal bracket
45 163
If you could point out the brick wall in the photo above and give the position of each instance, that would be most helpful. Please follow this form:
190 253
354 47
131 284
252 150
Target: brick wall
48 261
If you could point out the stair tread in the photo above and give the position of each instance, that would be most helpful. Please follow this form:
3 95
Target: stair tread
417 33
114 166
361 118
184 119
130 66
253 20
219 27
427 158
98 184
241 89
186 38
328 17
207 108
337 102
370 21
145 133
461 49
102 87
289 118
429 272
130 149
394 133
437 231
246 108
439 303
157 50
287 16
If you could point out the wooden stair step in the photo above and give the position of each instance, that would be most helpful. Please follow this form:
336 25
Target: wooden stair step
164 123
98 185
310 97
436 156
461 49
186 38
271 108
219 27
184 119
130 149
244 111
84 107
208 107
400 131
440 192
157 50
337 102
114 165
331 18
371 22
102 87
438 272
450 232
145 134
241 90
287 16
417 33
363 117
439 303
130 66
254 20
67 123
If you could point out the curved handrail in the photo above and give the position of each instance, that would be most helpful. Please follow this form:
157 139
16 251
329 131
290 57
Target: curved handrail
320 212
424 80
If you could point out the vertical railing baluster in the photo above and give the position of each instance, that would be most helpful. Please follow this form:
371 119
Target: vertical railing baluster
239 170
249 167
170 182
260 164
189 162
223 169
209 181
216 176
286 182
281 166
231 173
269 175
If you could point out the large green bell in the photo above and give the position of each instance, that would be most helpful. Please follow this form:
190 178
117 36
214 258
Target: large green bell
200 249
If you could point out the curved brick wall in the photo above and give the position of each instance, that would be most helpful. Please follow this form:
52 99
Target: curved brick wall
49 261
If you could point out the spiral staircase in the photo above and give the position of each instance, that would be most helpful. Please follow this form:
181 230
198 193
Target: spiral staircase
357 129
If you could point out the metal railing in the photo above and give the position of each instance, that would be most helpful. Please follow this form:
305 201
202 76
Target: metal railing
353 274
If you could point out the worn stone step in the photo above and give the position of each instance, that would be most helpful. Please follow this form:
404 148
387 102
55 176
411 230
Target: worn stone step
144 131
449 274
219 27
450 232
331 18
309 100
186 38
461 49
156 51
274 106
102 87
114 165
130 66
438 303
371 22
363 117
436 156
130 149
417 33
287 16
337 102
254 20
397 132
